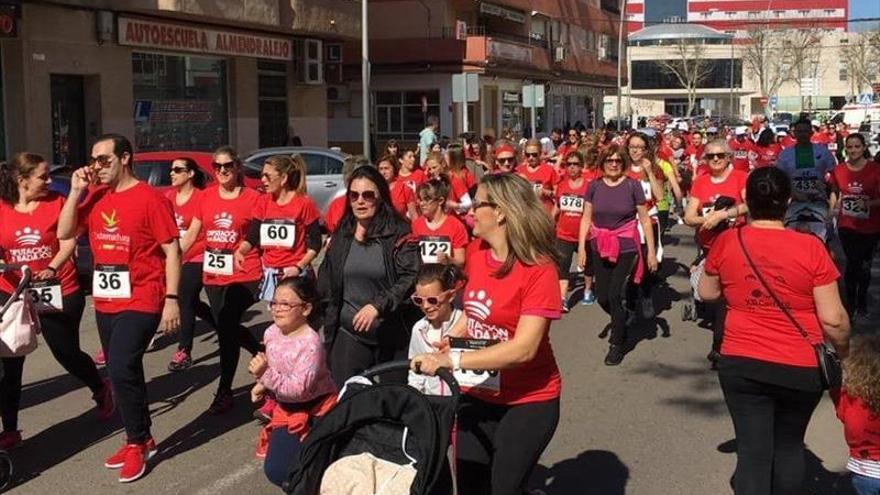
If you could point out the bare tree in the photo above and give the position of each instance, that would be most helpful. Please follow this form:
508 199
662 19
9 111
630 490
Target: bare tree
690 67
771 57
804 50
861 54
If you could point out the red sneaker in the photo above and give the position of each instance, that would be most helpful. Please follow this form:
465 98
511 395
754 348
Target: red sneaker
99 358
106 404
117 460
264 413
10 440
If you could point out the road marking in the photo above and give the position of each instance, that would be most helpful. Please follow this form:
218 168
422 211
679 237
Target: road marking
227 482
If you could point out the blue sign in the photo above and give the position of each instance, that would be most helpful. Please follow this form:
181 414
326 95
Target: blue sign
774 99
866 99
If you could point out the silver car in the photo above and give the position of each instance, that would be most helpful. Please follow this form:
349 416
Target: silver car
323 170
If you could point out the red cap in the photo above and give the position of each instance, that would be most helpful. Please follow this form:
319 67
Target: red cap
505 148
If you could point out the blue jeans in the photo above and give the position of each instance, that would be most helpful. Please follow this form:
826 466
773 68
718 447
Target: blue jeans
283 451
865 485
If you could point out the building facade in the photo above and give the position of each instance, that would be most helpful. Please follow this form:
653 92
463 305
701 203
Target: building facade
173 75
568 46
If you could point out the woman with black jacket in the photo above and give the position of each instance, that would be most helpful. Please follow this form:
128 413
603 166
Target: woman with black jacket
366 279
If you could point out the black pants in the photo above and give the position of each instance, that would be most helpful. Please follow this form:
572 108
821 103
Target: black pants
190 304
720 313
859 250
124 338
643 289
499 445
350 356
770 422
610 287
61 332
228 304
567 249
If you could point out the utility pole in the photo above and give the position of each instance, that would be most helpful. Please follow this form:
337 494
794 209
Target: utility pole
365 78
620 62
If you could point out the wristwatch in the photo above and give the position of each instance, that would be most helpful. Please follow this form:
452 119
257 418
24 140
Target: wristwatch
455 357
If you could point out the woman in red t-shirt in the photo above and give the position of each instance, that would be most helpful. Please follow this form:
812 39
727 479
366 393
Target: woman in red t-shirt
856 194
228 209
766 151
408 173
29 218
403 199
286 226
569 208
188 180
768 368
442 238
540 175
510 299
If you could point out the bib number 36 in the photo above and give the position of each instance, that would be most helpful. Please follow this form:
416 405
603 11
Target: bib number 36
112 282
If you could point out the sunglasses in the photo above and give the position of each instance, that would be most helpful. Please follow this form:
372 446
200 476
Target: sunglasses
481 204
223 166
368 196
572 134
576 163
430 300
104 161
283 306
506 160
532 155
713 156
179 170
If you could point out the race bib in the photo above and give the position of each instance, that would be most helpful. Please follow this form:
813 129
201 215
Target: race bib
538 187
855 206
805 184
277 233
217 262
740 154
832 146
707 210
486 380
46 296
432 246
111 282
571 204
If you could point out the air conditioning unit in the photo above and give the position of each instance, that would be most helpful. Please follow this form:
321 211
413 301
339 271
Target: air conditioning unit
559 53
338 94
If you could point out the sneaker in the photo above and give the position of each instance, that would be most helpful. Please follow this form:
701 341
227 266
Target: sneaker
647 307
10 440
106 404
181 360
222 403
117 460
565 308
588 299
614 356
605 331
134 464
99 358
264 413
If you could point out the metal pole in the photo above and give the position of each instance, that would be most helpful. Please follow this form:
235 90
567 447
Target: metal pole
365 78
620 62
732 111
464 106
534 104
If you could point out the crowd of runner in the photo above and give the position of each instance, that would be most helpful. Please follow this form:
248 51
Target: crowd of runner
461 258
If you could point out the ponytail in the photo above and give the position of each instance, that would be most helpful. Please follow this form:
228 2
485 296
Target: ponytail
22 165
449 276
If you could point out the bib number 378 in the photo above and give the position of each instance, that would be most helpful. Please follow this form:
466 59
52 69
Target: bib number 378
112 282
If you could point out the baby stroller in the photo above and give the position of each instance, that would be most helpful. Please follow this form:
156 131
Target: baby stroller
390 430
696 310
809 218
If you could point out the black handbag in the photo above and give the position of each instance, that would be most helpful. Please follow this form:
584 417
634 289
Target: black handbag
830 369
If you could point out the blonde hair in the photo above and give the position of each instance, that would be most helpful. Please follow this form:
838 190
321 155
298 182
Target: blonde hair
530 234
862 368
295 168
436 156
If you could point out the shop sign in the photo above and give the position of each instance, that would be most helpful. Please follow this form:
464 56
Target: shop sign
180 37
8 21
509 51
502 12
510 97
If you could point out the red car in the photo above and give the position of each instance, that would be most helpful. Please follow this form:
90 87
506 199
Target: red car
154 167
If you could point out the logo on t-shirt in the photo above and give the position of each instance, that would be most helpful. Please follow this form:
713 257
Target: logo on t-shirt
27 237
223 220
855 187
111 223
478 304
178 219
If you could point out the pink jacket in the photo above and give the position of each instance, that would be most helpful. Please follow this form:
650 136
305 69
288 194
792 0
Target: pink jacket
608 244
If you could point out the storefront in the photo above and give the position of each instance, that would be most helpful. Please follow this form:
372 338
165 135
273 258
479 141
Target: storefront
569 105
8 30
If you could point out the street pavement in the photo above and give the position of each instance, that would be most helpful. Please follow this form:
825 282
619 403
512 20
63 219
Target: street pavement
654 425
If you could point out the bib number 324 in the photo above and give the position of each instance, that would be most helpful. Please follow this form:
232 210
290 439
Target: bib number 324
112 282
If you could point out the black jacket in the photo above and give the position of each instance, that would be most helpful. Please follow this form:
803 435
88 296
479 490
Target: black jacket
402 261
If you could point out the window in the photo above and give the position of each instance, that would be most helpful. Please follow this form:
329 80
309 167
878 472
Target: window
705 15
308 61
804 13
402 114
539 28
779 13
830 12
603 46
272 98
753 15
179 102
842 70
647 74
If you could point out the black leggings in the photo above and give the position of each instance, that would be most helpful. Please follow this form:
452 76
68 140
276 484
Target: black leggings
770 422
228 304
567 249
61 332
610 287
643 289
350 356
498 445
190 304
859 250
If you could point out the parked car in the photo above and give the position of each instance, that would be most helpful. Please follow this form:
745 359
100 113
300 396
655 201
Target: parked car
154 167
60 175
323 170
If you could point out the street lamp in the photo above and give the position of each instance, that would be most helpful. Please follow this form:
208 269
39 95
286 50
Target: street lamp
620 62
365 79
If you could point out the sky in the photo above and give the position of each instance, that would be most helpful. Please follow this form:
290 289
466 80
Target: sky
861 9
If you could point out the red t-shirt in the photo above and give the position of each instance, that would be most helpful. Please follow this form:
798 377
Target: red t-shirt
664 151
283 229
788 142
707 191
741 154
335 211
755 327
226 223
570 202
450 233
401 197
32 239
494 306
126 232
861 427
766 156
650 200
183 215
413 180
856 189
542 177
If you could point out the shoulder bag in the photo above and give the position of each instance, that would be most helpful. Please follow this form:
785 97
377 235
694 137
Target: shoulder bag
830 370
